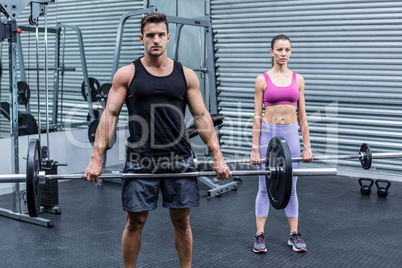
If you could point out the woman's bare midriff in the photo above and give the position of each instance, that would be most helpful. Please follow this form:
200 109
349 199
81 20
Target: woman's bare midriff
283 114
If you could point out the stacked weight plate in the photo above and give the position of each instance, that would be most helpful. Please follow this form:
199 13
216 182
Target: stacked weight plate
50 190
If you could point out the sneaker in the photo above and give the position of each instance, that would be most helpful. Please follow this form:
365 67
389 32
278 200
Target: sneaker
259 243
296 242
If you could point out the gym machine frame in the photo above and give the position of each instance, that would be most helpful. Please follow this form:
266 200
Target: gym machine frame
8 31
59 67
204 22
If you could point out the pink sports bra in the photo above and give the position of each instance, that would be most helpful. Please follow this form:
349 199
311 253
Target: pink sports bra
274 95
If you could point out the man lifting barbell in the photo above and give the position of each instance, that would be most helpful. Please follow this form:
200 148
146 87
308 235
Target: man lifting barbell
156 89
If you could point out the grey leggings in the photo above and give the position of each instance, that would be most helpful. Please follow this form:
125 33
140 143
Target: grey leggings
291 134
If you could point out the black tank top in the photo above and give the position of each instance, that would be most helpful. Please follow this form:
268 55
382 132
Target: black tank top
156 107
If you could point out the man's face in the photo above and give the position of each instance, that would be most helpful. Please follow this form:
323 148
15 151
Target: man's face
155 38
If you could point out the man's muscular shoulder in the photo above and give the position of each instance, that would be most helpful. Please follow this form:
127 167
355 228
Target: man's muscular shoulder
124 75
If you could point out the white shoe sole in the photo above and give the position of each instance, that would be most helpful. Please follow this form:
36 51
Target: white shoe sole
295 248
260 251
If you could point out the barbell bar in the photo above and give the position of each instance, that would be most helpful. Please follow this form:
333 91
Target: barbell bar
365 156
278 173
42 177
299 159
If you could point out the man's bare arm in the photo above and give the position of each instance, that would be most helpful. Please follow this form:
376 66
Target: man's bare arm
108 120
203 123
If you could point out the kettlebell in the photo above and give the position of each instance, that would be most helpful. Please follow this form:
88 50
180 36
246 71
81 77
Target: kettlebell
382 191
364 188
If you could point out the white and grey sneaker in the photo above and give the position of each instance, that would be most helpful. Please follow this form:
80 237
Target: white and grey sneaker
296 242
259 243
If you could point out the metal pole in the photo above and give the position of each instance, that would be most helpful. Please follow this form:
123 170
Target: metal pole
22 68
37 84
176 42
119 38
21 59
14 115
12 178
328 157
62 73
386 155
46 88
320 157
296 172
56 75
84 66
315 172
294 159
210 64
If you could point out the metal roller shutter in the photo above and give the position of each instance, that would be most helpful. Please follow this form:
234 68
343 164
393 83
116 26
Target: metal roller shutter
349 53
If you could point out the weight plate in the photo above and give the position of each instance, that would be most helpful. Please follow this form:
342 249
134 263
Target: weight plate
217 119
368 158
94 87
93 126
97 114
103 91
34 189
279 182
24 93
92 131
26 124
5 109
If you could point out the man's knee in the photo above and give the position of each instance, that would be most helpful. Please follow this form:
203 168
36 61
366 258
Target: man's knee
180 220
135 221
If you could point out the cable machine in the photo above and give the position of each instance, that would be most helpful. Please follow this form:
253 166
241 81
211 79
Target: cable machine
9 31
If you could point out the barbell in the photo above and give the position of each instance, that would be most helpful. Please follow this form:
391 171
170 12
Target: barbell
278 174
365 157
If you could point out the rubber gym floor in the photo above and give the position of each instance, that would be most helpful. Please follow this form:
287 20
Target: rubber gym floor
341 227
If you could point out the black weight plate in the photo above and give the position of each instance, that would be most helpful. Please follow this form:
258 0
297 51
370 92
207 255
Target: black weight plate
5 109
24 93
93 126
26 124
32 181
217 119
192 131
103 91
92 131
368 158
279 183
93 86
97 114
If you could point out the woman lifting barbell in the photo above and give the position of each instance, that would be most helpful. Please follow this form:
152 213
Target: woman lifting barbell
281 91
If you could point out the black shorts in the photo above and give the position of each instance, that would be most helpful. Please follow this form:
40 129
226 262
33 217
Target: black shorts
142 194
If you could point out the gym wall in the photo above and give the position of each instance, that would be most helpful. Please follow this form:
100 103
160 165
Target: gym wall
349 53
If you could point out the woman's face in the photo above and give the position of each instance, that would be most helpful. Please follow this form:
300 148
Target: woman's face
281 51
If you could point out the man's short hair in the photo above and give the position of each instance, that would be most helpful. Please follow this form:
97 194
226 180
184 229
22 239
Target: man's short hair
154 18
